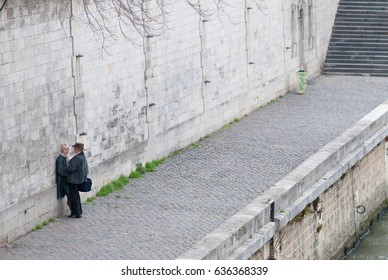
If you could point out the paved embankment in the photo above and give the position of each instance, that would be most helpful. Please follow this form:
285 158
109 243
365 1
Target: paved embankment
166 212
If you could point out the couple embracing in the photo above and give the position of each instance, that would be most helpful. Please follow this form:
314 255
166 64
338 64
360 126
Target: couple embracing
69 175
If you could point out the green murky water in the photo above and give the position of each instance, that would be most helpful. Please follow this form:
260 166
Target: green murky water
374 245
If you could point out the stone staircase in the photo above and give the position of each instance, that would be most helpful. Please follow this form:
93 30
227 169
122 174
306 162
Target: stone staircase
359 41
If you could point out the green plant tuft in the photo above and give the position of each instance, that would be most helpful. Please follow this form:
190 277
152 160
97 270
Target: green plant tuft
90 199
37 227
225 127
272 101
140 168
135 175
113 186
159 161
45 223
195 145
150 167
121 182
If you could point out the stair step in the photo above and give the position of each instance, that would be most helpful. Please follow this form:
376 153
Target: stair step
360 32
357 65
360 9
361 5
361 42
358 36
357 40
348 53
362 26
361 14
368 1
362 45
356 57
356 70
340 26
366 61
362 23
359 49
362 72
365 20
339 73
342 2
343 31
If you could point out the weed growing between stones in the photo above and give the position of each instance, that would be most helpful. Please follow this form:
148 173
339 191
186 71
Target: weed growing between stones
195 145
113 186
203 138
45 223
227 126
119 184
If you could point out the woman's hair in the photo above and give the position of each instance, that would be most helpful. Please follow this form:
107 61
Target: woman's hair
63 147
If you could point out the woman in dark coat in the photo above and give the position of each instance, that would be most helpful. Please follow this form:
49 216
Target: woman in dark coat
60 163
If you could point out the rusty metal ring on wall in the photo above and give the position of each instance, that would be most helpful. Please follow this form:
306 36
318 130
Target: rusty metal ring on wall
360 209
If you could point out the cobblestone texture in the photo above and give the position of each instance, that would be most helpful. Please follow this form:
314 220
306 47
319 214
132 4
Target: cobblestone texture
166 212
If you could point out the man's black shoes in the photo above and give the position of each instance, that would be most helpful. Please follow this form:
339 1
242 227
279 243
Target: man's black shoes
74 216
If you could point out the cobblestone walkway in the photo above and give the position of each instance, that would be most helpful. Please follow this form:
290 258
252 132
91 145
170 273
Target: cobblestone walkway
166 212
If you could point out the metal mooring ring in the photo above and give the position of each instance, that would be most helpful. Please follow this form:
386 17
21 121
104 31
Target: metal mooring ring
360 209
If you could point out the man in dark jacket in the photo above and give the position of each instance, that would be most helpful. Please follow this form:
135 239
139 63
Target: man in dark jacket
76 173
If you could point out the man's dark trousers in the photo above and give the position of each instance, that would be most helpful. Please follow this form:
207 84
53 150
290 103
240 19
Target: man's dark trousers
76 209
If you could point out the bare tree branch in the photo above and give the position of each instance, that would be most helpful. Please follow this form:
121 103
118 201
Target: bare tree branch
134 18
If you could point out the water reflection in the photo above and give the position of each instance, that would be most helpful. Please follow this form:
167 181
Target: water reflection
374 245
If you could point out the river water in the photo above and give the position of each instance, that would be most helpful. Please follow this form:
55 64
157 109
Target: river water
374 244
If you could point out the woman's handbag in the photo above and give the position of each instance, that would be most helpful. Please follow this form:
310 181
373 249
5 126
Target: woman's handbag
85 186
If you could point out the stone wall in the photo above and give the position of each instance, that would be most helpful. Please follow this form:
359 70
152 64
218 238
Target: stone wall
132 102
328 228
36 112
